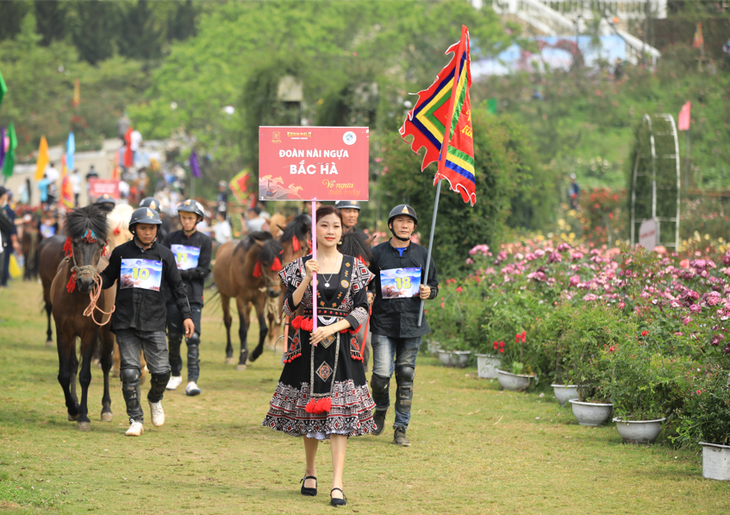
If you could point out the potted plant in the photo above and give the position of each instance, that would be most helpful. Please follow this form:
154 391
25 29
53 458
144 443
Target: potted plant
556 347
643 386
595 329
487 364
705 419
520 376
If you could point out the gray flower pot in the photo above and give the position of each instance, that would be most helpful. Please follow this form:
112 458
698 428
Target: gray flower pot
514 382
640 432
565 392
715 461
591 414
487 366
445 357
459 358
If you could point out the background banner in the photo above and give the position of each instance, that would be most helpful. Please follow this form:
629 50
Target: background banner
313 163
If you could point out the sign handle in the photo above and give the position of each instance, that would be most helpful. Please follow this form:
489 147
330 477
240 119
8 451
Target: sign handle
314 256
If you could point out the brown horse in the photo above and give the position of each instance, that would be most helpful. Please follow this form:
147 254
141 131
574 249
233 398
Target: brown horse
29 247
50 255
70 296
295 242
248 272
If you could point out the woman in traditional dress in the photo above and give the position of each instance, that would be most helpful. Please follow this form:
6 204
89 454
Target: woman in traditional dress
322 392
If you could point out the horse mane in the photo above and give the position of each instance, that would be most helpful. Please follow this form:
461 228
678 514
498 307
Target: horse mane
119 217
270 250
254 237
299 227
82 219
357 244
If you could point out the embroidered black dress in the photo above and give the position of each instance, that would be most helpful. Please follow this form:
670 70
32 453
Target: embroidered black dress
323 390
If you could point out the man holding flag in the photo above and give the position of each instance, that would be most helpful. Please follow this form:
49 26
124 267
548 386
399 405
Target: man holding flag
405 274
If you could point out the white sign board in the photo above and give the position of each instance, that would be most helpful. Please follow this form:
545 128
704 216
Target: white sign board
649 234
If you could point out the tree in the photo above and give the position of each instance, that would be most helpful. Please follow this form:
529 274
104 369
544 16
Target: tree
50 20
181 24
94 29
141 33
11 17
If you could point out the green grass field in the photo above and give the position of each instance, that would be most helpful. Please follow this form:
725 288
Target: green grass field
475 448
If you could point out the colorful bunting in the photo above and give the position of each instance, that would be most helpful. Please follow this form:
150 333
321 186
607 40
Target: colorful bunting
77 93
3 88
70 151
194 165
239 185
683 120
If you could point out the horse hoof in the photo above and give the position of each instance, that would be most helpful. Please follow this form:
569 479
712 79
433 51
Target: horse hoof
231 361
83 426
49 343
73 418
240 367
106 416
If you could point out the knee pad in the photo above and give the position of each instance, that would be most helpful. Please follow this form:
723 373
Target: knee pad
129 375
379 384
194 339
160 378
405 374
174 337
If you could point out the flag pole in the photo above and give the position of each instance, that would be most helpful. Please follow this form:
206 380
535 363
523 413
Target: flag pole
430 246
442 160
314 256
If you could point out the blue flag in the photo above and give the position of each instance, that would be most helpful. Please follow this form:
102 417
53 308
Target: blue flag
194 165
70 149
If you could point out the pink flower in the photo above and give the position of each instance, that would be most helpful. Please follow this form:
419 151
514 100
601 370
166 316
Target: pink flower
695 308
575 280
575 256
539 253
686 320
469 261
611 348
589 297
621 305
644 333
459 289
442 305
554 257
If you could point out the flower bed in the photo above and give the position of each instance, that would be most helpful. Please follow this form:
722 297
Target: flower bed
643 330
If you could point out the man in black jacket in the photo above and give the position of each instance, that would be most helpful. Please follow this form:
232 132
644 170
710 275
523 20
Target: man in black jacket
192 250
398 265
140 266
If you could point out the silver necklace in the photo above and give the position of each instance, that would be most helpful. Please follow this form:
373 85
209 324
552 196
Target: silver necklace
327 280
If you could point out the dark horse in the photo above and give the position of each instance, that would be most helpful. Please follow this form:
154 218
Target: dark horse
86 228
248 272
50 255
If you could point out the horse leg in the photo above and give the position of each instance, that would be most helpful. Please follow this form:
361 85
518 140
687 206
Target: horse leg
67 365
242 332
108 341
227 319
263 330
89 343
49 332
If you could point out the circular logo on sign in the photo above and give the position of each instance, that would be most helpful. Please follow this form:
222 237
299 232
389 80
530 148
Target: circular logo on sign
349 138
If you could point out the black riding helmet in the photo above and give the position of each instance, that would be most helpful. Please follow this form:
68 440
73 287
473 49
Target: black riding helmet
152 203
106 202
143 215
192 206
402 209
347 204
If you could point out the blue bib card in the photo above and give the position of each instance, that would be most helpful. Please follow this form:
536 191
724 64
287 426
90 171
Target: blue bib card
400 283
185 257
141 273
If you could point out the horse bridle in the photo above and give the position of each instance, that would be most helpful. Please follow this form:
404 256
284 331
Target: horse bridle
95 292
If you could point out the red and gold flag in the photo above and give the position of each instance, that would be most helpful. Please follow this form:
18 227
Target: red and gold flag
699 41
442 118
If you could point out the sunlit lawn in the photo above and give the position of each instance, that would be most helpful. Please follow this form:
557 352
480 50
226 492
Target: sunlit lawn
475 448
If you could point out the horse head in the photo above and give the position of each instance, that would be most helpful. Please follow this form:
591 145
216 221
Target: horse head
268 265
296 238
86 231
118 225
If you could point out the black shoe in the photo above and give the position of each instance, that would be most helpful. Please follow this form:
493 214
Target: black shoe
338 502
400 438
309 491
379 419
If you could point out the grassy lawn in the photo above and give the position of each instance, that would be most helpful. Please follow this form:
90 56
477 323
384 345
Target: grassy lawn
475 448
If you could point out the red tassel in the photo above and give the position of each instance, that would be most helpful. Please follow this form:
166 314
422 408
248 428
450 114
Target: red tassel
309 408
299 322
117 230
257 269
296 247
104 251
276 265
68 247
71 285
323 406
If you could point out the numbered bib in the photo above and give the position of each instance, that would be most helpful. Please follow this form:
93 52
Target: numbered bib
47 230
141 273
400 283
185 257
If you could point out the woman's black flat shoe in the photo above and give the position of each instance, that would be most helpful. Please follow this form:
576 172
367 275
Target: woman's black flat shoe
338 502
308 491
